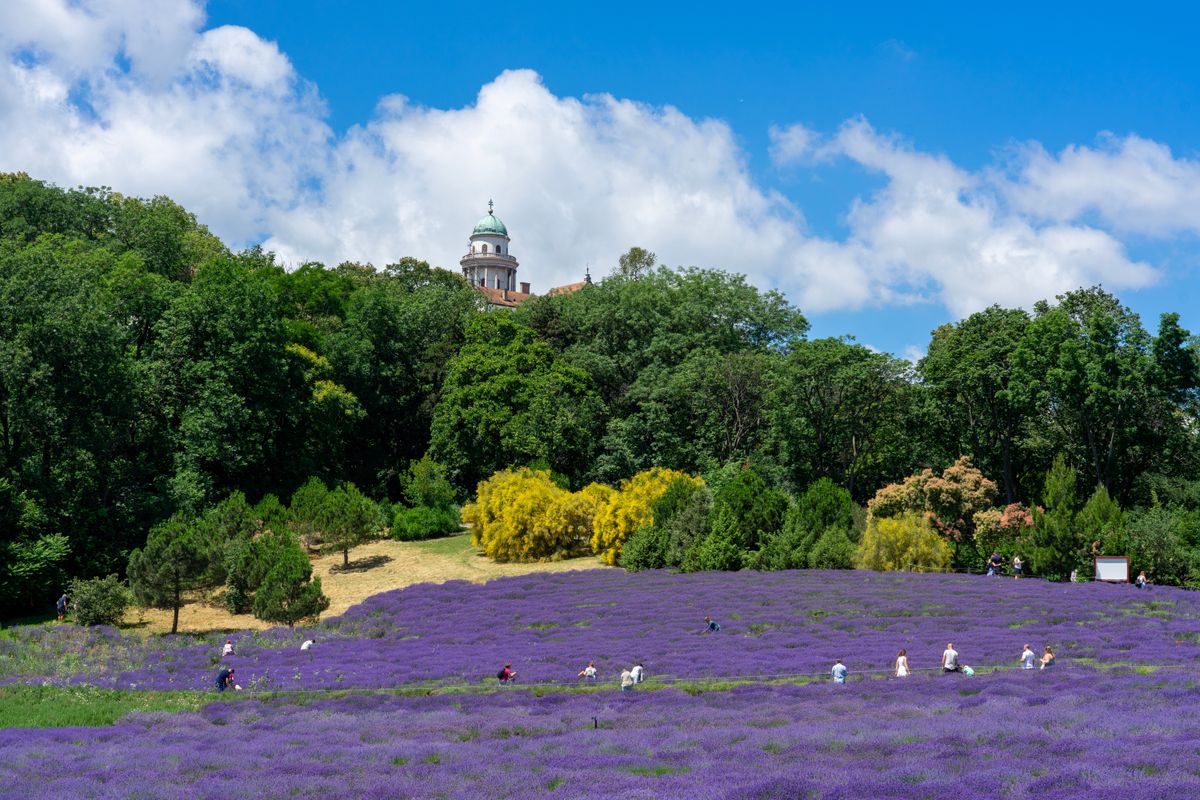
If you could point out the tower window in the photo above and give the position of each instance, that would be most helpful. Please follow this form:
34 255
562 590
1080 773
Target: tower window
485 248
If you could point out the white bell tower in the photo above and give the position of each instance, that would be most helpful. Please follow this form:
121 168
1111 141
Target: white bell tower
488 264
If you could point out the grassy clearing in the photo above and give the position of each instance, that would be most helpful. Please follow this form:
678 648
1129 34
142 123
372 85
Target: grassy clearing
66 706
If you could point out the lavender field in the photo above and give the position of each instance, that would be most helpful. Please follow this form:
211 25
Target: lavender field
1105 722
548 626
1069 734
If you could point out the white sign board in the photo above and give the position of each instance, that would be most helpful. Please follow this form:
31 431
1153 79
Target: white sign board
1112 568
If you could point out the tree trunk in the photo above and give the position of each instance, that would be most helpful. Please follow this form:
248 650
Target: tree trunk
175 615
346 557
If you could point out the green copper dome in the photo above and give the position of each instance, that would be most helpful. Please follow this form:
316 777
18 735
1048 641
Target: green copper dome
490 224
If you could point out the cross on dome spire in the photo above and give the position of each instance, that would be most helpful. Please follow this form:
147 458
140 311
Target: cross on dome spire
489 206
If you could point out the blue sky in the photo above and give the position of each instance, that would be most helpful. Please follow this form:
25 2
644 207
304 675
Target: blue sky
851 158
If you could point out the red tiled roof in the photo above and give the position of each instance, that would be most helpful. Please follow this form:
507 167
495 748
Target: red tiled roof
569 288
500 297
509 299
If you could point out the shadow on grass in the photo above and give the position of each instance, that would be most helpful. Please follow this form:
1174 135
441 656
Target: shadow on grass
362 564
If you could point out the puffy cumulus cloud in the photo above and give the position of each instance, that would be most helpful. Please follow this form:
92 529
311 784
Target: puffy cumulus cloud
1133 184
80 38
578 181
935 230
103 93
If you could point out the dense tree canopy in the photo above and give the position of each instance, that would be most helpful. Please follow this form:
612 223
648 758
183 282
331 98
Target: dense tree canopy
147 371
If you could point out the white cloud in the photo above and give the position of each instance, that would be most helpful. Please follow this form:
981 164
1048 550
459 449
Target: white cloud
937 230
101 92
217 120
1135 185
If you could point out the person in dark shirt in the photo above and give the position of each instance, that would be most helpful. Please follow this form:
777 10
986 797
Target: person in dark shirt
713 625
995 564
224 679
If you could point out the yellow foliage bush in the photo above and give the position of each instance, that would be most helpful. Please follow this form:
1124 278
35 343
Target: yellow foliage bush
522 515
906 543
624 511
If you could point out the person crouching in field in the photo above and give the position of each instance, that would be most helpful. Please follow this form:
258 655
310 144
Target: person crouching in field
950 659
227 650
711 625
589 671
506 675
225 679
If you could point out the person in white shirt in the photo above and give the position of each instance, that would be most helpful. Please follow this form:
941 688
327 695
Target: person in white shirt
638 673
308 643
839 672
626 681
902 664
950 659
1027 657
589 671
227 650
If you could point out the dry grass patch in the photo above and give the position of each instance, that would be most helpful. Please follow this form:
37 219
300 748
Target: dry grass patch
374 568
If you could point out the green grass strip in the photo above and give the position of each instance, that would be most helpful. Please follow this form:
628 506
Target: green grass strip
66 706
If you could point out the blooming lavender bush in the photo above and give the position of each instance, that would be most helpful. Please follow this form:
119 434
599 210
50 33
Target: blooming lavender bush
549 625
1065 734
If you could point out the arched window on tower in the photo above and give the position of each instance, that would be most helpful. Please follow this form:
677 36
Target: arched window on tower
485 248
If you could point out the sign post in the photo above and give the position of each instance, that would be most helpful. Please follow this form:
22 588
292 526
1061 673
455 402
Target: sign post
1112 568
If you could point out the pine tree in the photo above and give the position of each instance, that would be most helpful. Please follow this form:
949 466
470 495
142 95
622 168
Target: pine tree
1055 544
289 593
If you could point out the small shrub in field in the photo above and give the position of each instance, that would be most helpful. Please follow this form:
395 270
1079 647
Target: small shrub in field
645 549
423 522
720 549
757 509
833 550
906 542
99 601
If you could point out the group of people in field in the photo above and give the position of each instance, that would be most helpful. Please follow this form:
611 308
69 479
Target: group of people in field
952 662
995 565
224 679
629 677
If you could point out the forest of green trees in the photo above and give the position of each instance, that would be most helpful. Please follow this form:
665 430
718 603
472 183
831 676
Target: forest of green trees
147 374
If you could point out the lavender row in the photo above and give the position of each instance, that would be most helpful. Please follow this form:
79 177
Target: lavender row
548 626
1064 735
